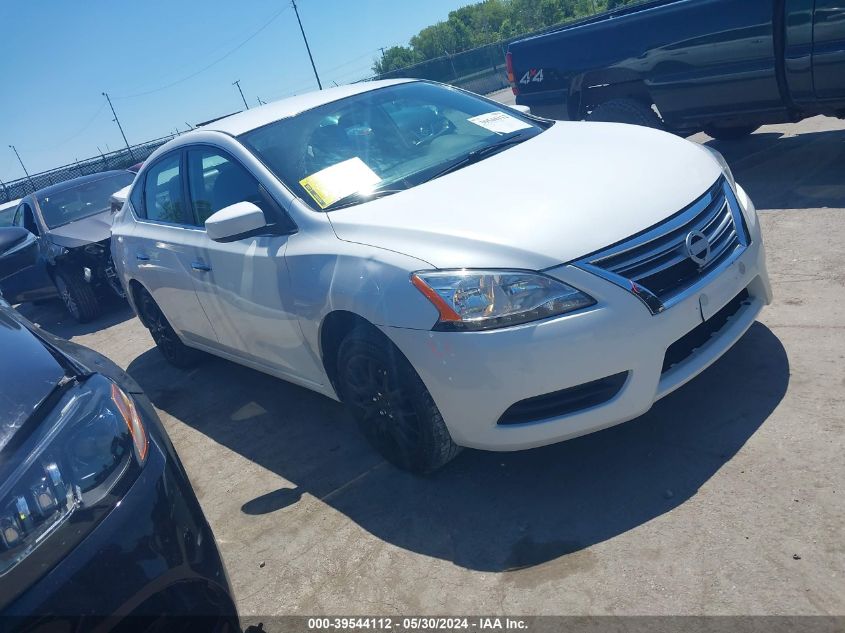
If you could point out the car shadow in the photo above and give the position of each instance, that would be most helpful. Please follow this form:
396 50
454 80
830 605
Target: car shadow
808 168
54 317
484 511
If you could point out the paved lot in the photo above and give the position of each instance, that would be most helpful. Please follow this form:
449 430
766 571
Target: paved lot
727 498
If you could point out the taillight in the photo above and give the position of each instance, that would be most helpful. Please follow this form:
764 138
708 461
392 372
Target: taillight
509 68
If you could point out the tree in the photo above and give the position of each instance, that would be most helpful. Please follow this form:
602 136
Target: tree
394 58
484 23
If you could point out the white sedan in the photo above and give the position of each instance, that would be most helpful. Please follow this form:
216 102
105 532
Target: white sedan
456 271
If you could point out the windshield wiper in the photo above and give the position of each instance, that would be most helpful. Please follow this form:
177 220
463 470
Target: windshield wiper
359 197
482 152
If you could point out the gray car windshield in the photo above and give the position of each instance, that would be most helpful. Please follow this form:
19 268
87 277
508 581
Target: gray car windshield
384 141
88 198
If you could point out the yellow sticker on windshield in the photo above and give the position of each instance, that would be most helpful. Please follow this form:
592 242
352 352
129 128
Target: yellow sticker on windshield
338 181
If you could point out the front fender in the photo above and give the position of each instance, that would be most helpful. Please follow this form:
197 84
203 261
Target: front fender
328 275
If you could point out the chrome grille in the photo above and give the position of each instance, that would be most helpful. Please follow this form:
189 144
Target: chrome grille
656 265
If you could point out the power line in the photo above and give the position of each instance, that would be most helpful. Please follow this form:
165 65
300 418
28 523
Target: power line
72 136
308 48
350 61
269 21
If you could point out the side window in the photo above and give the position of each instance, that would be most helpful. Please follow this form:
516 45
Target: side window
24 218
216 181
163 200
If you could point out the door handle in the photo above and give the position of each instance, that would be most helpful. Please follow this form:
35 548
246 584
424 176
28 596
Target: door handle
141 257
203 268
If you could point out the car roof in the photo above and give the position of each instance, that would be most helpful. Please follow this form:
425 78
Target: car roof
74 182
253 118
9 204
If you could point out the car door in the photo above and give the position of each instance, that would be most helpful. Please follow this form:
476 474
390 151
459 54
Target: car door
829 49
160 249
244 286
23 269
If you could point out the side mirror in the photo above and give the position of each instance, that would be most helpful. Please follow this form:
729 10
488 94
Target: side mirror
235 222
521 108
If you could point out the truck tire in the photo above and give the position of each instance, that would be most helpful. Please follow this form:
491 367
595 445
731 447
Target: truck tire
167 341
730 133
626 111
77 295
392 406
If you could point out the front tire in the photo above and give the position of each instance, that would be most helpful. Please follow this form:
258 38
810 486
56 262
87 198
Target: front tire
78 296
628 111
167 341
392 406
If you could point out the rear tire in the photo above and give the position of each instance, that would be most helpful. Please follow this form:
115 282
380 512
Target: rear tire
392 406
78 296
730 133
167 341
628 111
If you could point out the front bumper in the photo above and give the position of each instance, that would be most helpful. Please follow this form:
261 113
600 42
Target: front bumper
153 555
474 377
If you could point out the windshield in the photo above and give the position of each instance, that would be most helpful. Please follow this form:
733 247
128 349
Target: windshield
85 199
386 140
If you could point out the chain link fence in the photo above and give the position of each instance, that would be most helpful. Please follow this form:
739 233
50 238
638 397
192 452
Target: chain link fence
480 70
119 159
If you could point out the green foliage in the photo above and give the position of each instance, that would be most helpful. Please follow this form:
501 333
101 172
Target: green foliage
484 23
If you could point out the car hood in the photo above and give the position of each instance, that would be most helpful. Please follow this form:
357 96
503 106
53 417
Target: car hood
94 228
28 374
563 194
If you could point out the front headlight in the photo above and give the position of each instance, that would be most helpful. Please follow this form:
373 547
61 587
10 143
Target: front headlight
726 169
69 468
487 299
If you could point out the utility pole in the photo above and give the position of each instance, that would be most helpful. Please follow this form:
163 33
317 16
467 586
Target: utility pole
238 84
119 126
28 177
308 48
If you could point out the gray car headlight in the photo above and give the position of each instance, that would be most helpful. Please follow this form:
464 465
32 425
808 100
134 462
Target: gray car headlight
67 470
726 169
487 299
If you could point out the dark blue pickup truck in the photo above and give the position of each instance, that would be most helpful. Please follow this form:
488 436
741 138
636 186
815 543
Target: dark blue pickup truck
722 66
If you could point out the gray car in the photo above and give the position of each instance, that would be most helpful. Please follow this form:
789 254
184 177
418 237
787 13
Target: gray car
58 244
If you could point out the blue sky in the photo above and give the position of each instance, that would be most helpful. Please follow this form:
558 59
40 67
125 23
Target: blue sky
58 56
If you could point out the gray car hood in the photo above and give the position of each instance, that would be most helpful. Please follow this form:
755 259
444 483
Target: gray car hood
563 194
94 228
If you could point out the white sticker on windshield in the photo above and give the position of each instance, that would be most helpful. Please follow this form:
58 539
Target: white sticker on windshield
499 122
338 181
